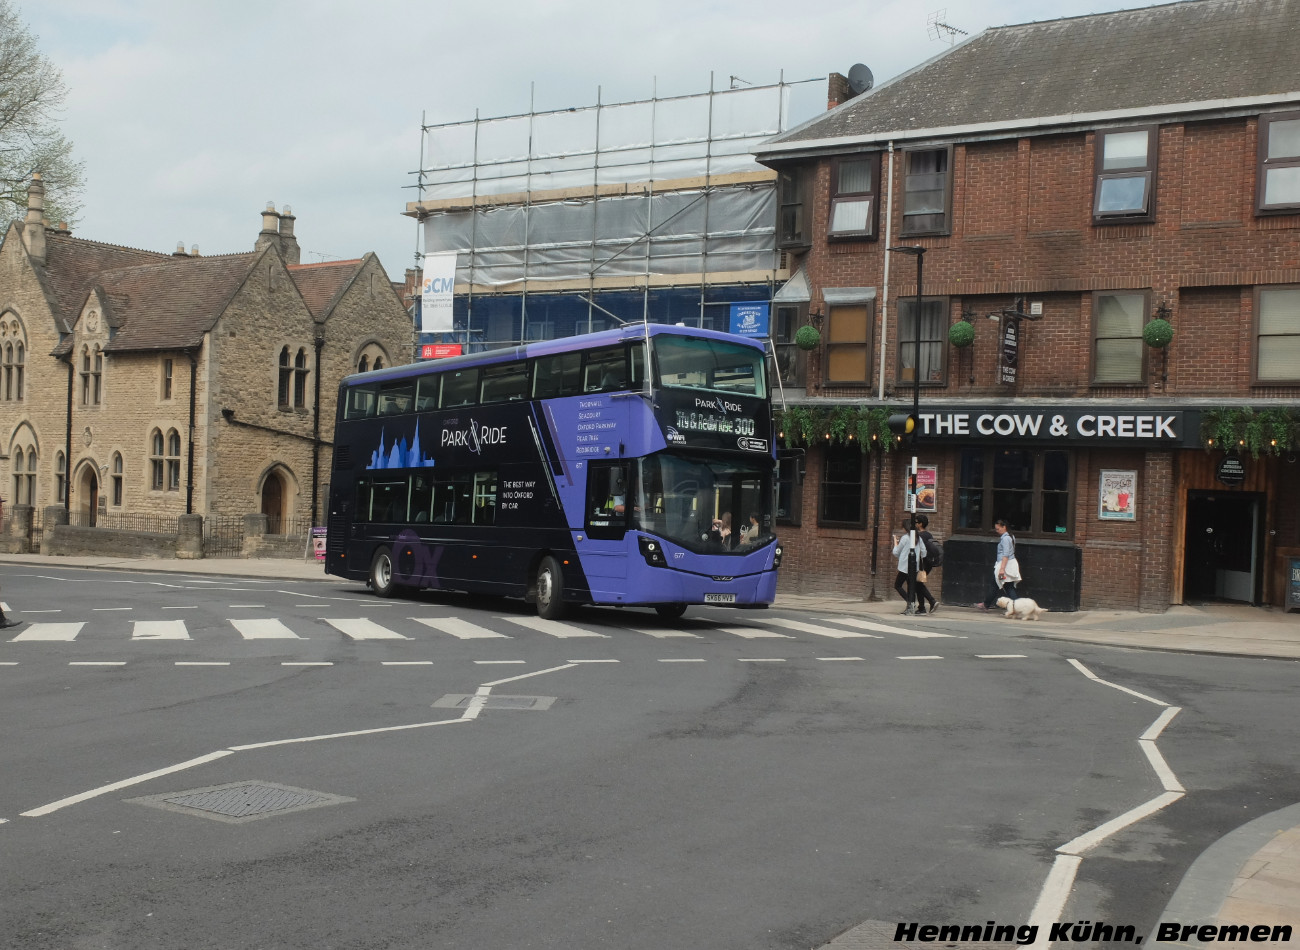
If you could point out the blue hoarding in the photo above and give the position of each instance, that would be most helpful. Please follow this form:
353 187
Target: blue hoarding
749 319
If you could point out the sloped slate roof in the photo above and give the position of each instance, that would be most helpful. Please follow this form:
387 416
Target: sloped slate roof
73 266
1191 52
322 284
172 304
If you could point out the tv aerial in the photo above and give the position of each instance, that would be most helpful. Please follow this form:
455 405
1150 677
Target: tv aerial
860 79
937 27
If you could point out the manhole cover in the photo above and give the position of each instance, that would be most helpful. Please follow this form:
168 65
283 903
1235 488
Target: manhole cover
240 801
462 701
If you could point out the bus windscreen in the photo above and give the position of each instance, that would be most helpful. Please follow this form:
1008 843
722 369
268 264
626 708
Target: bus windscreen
687 362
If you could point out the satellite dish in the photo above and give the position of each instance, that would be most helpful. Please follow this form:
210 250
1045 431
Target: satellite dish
860 79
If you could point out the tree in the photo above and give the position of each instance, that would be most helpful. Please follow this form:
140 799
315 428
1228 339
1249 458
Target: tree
31 93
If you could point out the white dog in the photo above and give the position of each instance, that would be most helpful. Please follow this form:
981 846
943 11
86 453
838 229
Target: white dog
1022 608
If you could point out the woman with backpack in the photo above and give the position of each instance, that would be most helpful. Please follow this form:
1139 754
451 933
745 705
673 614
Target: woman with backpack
933 557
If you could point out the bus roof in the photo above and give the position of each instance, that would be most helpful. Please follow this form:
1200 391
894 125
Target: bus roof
565 344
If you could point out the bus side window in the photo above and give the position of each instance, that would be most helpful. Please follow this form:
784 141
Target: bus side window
361 402
362 508
485 497
606 370
506 382
421 498
459 388
557 375
396 398
426 393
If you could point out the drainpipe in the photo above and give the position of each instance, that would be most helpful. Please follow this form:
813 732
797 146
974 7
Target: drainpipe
315 430
189 478
884 294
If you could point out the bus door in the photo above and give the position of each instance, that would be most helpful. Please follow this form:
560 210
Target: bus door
609 510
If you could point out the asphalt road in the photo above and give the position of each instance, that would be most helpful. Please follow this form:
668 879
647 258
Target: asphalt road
746 779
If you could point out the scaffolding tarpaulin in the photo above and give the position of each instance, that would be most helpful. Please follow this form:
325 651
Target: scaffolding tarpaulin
436 292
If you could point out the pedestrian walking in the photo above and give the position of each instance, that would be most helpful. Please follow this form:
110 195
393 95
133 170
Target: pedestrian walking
1006 569
923 595
909 554
5 621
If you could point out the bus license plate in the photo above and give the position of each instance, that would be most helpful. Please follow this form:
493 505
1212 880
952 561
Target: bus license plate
719 598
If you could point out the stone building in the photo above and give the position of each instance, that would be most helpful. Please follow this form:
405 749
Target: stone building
1078 180
137 385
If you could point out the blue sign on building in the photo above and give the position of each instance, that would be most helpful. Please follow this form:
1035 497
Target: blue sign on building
749 319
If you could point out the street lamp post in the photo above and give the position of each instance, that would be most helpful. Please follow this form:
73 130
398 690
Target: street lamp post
913 563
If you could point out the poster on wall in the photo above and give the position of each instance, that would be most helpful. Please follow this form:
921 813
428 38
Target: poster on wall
436 292
927 480
1118 496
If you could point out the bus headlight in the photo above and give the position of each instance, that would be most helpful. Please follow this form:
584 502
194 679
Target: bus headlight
652 551
776 557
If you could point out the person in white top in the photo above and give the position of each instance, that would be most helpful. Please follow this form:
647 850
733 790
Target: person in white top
906 552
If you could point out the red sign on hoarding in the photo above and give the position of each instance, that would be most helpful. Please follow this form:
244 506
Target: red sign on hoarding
436 351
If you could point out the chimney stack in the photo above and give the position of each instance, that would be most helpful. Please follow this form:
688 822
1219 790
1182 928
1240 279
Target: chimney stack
34 223
270 234
289 249
837 90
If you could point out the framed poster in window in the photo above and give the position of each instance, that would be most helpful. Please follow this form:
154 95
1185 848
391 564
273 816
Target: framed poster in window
1117 496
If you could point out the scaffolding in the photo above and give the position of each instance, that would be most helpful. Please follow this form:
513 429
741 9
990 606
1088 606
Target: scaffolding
580 219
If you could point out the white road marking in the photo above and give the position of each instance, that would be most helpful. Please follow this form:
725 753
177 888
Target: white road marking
202 662
818 630
192 607
591 661
406 663
754 633
8 664
553 628
1161 767
51 631
159 630
125 783
883 627
760 659
1056 891
97 663
1157 727
363 629
98 609
499 662
248 605
1123 689
461 629
685 660
838 659
54 611
306 663
1001 656
667 634
930 656
524 676
268 629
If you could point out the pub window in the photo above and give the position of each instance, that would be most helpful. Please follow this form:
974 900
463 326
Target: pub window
789 490
848 344
853 197
1118 353
1126 162
927 191
1029 489
1279 162
934 340
844 486
1278 344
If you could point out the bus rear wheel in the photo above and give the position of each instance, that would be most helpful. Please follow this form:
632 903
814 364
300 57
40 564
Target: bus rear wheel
671 611
381 574
550 589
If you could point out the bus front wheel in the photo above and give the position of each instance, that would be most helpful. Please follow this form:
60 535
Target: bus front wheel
671 611
550 589
381 574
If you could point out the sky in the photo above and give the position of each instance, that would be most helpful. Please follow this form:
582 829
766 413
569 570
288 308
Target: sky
190 116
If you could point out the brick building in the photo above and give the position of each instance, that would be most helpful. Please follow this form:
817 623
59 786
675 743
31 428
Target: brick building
1075 180
136 384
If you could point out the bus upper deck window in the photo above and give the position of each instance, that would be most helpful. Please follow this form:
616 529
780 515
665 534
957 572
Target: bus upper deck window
361 402
459 388
606 370
505 382
559 374
396 398
426 393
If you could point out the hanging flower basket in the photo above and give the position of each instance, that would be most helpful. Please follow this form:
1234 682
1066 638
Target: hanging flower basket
1158 333
961 334
807 338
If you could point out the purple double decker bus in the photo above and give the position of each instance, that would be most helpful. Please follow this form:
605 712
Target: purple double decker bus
630 467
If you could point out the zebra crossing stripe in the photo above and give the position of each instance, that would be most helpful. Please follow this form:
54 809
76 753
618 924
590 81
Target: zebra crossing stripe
754 633
818 630
553 627
269 629
159 630
363 629
884 628
50 631
461 629
666 634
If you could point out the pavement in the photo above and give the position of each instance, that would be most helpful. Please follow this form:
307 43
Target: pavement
1250 876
